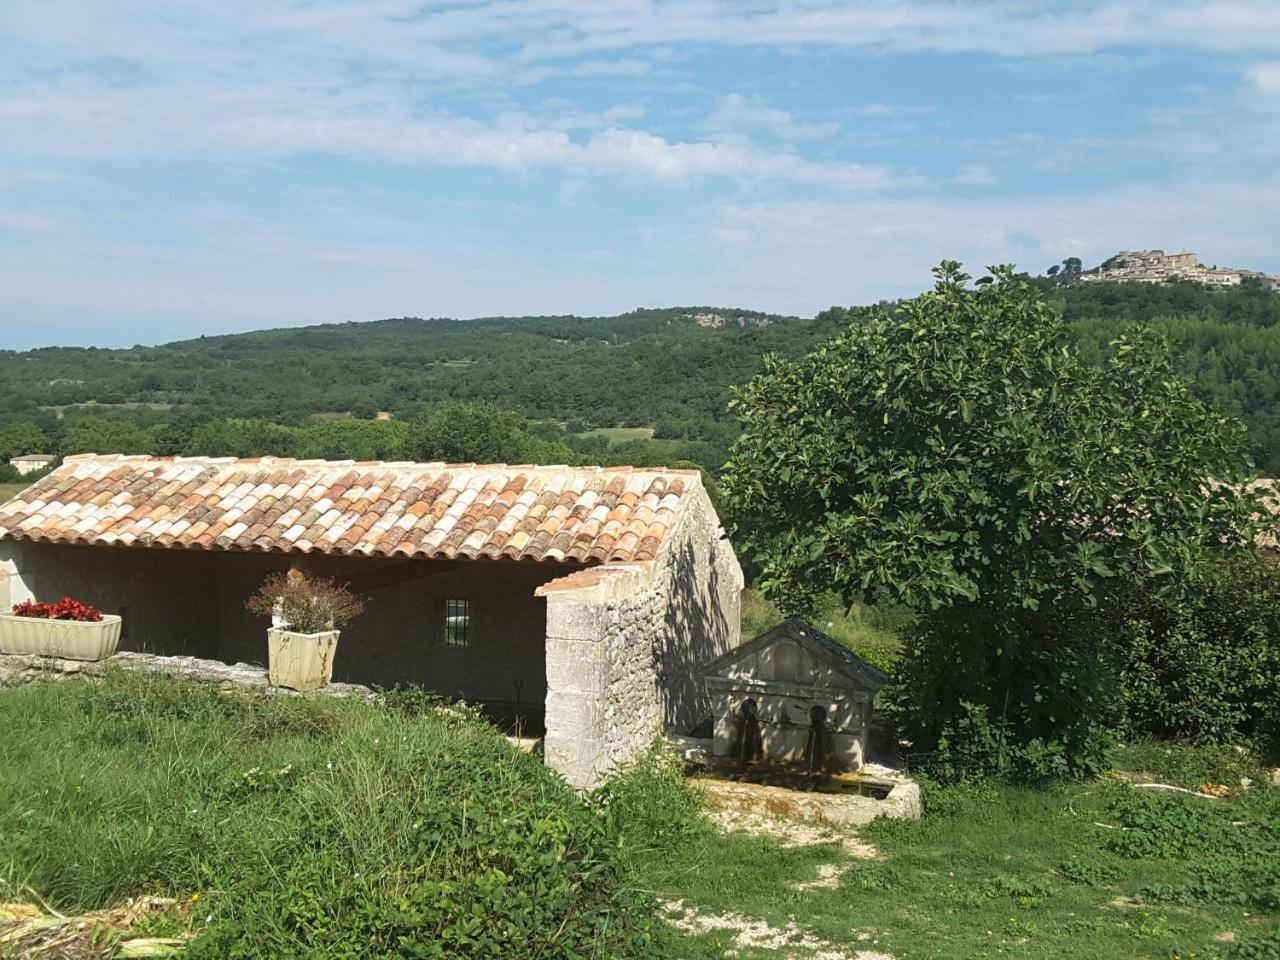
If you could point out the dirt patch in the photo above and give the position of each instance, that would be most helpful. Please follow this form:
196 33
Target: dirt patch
829 875
749 933
793 833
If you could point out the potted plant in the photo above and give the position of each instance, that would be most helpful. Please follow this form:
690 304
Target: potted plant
68 629
306 614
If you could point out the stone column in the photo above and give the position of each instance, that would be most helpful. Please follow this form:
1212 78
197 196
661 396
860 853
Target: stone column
577 684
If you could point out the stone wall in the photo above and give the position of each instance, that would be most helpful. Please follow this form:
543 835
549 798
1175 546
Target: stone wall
16 671
625 646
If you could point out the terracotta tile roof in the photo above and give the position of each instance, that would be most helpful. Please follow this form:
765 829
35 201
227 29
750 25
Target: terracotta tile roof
587 514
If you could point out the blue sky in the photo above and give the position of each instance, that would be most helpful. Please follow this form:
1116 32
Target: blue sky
171 169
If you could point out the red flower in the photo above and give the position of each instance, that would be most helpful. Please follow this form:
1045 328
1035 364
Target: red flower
64 609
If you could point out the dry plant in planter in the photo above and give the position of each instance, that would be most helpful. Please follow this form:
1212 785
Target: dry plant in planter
307 614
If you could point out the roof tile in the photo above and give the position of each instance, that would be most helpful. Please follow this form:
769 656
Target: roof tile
587 514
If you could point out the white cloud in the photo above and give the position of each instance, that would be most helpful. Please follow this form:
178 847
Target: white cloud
1265 77
211 267
736 113
976 175
801 256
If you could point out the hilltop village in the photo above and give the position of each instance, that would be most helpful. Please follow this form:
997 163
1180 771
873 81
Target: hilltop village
1156 266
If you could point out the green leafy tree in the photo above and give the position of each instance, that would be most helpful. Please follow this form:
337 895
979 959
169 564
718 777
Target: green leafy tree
956 455
23 437
354 440
241 438
466 433
97 435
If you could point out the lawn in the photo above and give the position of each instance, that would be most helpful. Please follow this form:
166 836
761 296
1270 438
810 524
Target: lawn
617 435
8 490
1004 871
283 826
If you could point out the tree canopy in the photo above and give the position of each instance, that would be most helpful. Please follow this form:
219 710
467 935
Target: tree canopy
957 454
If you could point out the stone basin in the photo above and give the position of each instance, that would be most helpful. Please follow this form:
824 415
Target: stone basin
847 799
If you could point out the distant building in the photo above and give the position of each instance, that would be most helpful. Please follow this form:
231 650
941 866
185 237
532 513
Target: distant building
32 462
1156 266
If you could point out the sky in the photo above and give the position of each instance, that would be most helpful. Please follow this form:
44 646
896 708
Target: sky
171 168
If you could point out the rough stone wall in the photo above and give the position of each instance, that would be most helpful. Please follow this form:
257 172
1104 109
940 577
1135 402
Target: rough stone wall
16 671
624 653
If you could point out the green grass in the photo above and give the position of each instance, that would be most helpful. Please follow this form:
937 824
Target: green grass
868 631
8 490
304 827
617 435
339 829
1005 871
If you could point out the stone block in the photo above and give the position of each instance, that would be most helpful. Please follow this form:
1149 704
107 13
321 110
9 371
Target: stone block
575 666
570 620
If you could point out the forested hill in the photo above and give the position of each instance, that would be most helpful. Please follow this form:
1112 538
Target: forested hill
668 370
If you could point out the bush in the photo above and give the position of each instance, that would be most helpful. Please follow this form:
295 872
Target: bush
1255 946
651 806
1203 662
987 712
314 828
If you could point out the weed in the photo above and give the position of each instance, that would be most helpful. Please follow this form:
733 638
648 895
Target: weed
1257 946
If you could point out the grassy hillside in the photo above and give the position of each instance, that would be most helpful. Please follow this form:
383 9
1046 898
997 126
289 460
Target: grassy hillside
666 370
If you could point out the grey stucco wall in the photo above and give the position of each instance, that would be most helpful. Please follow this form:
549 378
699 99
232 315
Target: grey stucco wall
168 600
191 603
624 653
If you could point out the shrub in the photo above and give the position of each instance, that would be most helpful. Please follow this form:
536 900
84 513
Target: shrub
306 604
1203 662
651 806
1255 946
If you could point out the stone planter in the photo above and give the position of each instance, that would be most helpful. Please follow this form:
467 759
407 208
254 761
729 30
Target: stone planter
300 661
68 639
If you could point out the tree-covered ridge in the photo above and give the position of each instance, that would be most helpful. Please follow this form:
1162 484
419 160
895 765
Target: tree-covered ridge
647 368
656 368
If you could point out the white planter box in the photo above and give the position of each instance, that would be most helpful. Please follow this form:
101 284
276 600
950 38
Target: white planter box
68 639
300 661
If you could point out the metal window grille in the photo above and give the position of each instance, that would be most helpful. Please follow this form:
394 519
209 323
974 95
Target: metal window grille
457 623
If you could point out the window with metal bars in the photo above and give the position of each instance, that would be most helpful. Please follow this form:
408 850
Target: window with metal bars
457 623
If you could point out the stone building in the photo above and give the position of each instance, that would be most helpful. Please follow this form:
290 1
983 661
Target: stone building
793 695
577 600
32 462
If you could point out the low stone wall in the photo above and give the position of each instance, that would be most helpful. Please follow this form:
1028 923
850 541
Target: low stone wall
19 670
